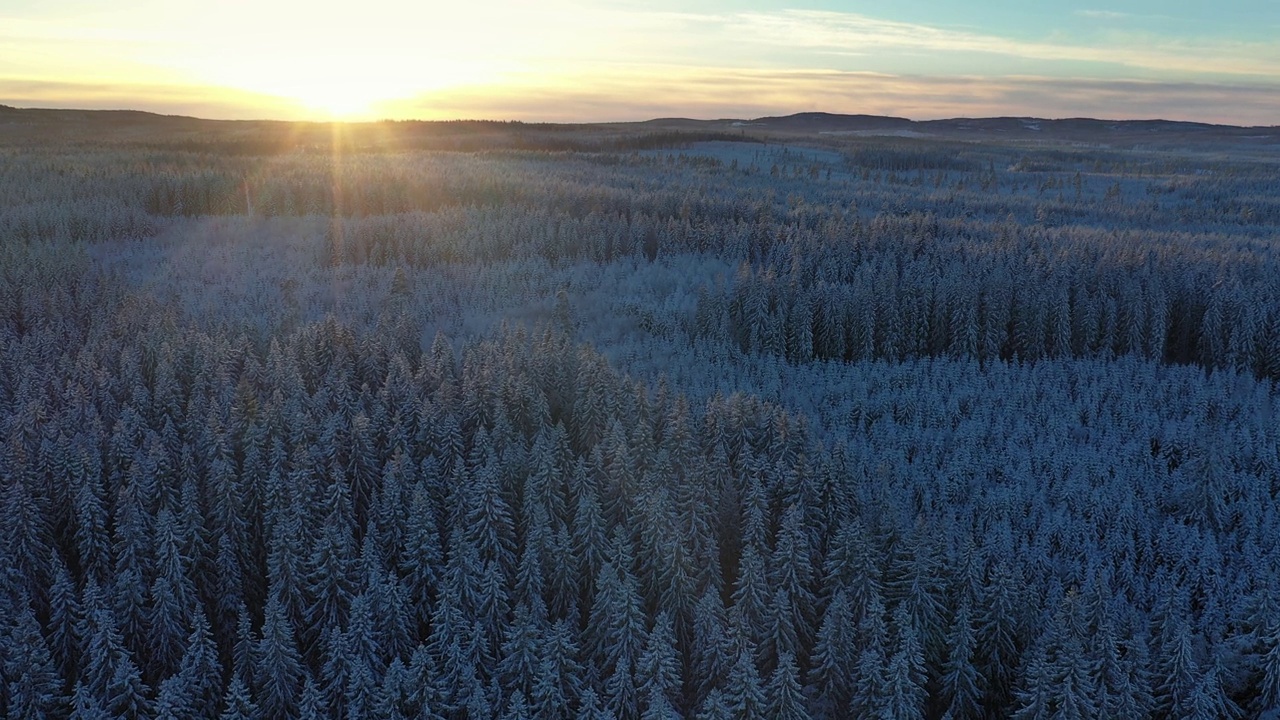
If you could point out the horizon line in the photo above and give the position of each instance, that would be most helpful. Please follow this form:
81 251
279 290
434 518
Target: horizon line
375 121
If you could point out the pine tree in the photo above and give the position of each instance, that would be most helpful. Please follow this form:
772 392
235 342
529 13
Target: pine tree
560 676
330 571
286 574
488 519
871 685
227 591
916 581
712 652
714 707
363 646
91 536
518 666
833 665
1179 671
590 542
784 698
517 708
1033 700
361 691
1109 673
492 606
85 706
905 692
278 673
529 587
745 695
751 594
238 703
1210 699
959 679
422 563
34 688
851 566
998 635
621 691
105 649
242 652
335 672
390 702
24 537
311 704
167 618
659 671
128 586
397 631
1075 690
66 617
780 634
174 699
590 707
126 695
791 572
200 668
616 620
1268 699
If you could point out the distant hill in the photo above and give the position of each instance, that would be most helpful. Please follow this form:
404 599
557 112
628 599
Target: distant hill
88 125
831 122
1156 133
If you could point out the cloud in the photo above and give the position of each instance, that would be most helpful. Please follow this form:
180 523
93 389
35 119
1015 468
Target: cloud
826 30
1103 14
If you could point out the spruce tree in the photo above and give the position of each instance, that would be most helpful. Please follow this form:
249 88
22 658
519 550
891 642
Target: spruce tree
784 699
278 673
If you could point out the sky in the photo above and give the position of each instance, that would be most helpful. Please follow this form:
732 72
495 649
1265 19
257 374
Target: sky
619 60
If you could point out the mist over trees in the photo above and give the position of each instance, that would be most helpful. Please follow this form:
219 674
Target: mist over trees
486 421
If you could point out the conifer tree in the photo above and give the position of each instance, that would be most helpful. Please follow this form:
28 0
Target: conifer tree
126 695
174 699
659 671
745 696
870 686
590 707
278 672
200 668
85 705
714 707
238 703
33 685
784 697
959 679
521 651
834 662
905 693
621 691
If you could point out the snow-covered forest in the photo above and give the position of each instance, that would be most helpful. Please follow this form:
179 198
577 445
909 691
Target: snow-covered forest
491 421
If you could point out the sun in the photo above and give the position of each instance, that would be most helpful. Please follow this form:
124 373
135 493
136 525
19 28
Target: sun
340 107
335 99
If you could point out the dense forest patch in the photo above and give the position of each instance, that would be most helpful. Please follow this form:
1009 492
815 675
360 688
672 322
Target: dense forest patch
637 425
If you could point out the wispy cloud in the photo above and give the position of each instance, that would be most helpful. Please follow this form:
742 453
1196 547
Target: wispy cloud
841 31
1103 14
